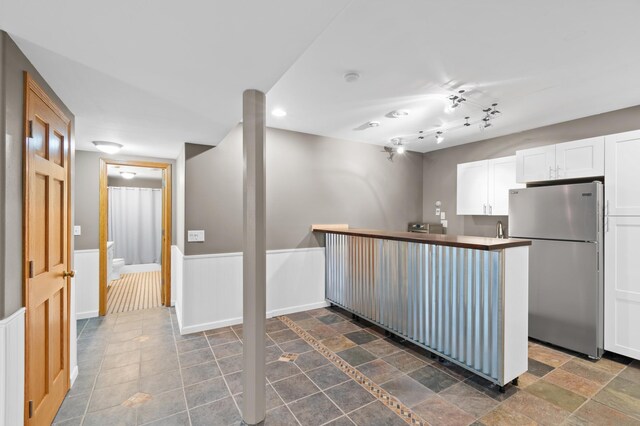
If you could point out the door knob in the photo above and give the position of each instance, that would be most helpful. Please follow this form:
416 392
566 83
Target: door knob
67 274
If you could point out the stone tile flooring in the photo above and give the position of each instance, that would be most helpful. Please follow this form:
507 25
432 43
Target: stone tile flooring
135 368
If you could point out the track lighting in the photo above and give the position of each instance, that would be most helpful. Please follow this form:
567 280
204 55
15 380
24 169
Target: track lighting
456 100
466 123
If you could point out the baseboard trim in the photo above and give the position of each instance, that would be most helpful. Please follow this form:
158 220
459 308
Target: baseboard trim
196 328
74 376
86 315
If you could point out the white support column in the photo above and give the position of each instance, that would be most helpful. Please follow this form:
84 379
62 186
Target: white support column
254 258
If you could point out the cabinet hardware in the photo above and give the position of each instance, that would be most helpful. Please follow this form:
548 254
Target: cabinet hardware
557 172
484 209
490 209
550 172
607 212
606 223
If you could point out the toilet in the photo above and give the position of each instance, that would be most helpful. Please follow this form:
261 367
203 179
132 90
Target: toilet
116 266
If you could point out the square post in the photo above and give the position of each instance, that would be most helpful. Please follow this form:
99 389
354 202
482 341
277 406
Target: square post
254 258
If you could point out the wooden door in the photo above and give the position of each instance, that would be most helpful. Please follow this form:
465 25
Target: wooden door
46 255
536 164
622 285
583 158
622 174
472 188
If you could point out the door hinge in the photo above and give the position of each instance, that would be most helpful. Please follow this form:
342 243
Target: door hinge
31 269
30 408
30 130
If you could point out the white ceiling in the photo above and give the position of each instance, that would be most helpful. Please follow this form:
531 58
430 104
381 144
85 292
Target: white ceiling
154 74
141 172
543 61
165 72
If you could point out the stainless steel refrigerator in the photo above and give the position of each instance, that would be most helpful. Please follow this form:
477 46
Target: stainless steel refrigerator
565 262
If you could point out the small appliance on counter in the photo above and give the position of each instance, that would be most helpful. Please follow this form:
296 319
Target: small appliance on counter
426 228
566 279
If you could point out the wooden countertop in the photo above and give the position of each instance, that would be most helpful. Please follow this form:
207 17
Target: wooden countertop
478 243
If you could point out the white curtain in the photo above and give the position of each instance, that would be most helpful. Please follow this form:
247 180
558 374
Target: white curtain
135 224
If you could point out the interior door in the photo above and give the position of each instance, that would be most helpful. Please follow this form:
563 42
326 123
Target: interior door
46 255
472 188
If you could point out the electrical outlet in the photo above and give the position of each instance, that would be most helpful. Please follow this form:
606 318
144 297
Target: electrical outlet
77 230
445 223
195 236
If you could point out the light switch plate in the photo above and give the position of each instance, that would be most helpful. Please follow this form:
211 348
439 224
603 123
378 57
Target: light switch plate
77 230
437 211
443 216
444 223
195 236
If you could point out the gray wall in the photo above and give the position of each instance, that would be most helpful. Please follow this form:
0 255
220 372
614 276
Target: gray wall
179 190
440 166
87 191
135 182
12 65
310 179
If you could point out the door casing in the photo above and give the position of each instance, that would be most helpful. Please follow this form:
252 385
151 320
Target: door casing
166 226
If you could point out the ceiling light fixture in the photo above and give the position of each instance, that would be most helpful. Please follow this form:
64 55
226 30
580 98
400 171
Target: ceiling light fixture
466 123
373 124
439 137
397 144
279 112
456 100
128 175
351 77
107 147
399 113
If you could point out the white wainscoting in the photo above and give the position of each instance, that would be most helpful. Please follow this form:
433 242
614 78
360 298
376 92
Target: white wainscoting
177 275
210 293
12 346
87 266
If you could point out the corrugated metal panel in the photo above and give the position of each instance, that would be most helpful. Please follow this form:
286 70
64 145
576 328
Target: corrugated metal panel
446 299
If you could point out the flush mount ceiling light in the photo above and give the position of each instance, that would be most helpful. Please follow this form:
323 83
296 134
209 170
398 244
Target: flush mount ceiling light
127 175
373 124
439 137
351 77
399 113
107 147
279 112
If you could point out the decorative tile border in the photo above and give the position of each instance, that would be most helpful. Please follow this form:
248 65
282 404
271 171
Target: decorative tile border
383 396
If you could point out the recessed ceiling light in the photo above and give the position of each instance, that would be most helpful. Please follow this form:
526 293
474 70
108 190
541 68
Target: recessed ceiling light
279 112
399 113
351 77
373 123
108 147
127 175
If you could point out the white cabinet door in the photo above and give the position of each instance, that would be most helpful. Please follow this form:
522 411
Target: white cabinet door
622 174
583 158
472 188
536 164
622 286
502 178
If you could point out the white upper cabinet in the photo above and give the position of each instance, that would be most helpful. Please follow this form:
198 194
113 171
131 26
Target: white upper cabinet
569 160
483 186
536 164
473 180
622 177
583 158
502 178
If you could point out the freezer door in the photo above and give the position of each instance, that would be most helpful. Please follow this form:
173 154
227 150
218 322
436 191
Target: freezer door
565 295
561 212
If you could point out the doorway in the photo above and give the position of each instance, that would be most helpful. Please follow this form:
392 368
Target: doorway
135 235
47 253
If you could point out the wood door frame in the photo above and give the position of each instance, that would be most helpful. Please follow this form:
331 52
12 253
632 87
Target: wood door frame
31 84
166 225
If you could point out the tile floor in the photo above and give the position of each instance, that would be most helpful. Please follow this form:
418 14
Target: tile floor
136 369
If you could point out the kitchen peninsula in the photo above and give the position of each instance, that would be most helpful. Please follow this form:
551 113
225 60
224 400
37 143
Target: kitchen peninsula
462 298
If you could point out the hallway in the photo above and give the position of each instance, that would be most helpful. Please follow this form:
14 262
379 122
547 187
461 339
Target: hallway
135 368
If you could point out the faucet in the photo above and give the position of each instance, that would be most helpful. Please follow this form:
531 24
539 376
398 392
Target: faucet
499 230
